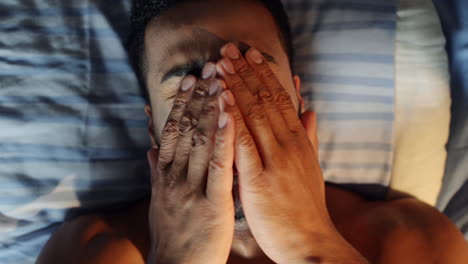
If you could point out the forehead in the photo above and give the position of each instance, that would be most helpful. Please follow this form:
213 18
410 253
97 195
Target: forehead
195 31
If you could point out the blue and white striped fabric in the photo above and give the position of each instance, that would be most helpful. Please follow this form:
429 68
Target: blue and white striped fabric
73 134
345 58
453 199
73 131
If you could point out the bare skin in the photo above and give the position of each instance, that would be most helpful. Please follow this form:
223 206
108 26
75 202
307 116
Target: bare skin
125 234
400 231
267 130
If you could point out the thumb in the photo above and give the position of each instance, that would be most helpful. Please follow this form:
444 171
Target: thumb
309 121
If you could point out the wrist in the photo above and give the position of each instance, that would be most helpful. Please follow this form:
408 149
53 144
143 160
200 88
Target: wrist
156 256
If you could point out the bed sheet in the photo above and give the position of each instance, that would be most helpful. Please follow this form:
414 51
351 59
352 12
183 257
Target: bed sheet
453 199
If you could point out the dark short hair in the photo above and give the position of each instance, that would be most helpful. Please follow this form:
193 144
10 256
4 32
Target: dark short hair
144 11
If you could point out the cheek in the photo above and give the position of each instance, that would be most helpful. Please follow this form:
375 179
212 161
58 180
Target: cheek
161 111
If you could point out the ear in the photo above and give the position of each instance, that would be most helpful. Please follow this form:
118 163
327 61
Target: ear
297 85
309 121
149 114
308 118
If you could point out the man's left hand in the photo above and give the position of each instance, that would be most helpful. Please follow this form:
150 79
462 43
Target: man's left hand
280 180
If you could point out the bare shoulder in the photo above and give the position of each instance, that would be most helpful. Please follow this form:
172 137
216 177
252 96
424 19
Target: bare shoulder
402 230
98 239
416 231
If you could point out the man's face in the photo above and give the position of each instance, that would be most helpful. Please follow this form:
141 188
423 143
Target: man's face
186 37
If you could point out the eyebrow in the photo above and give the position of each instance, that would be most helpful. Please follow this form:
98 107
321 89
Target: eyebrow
195 67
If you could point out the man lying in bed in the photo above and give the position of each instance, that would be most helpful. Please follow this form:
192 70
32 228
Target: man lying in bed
220 73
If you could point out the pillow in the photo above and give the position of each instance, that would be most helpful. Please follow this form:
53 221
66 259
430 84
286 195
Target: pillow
345 58
453 199
422 112
74 135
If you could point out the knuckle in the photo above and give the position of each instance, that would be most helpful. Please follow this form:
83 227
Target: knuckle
283 99
170 127
255 112
244 139
179 103
236 82
244 70
265 95
220 142
268 74
209 109
166 153
216 165
199 139
237 116
201 91
188 123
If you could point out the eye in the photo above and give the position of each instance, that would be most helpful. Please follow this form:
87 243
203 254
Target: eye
172 80
195 71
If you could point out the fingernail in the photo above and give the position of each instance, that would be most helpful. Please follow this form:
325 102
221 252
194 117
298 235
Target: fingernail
220 68
255 56
221 104
223 49
223 119
187 83
227 66
228 98
214 87
232 52
223 84
208 71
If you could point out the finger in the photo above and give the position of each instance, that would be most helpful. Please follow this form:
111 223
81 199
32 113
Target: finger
281 99
246 157
170 132
153 155
203 139
251 108
257 88
309 122
220 173
190 119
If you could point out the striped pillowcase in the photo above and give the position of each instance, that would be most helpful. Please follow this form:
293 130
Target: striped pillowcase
74 135
345 58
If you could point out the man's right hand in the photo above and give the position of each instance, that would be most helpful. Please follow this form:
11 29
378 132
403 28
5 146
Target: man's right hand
192 211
